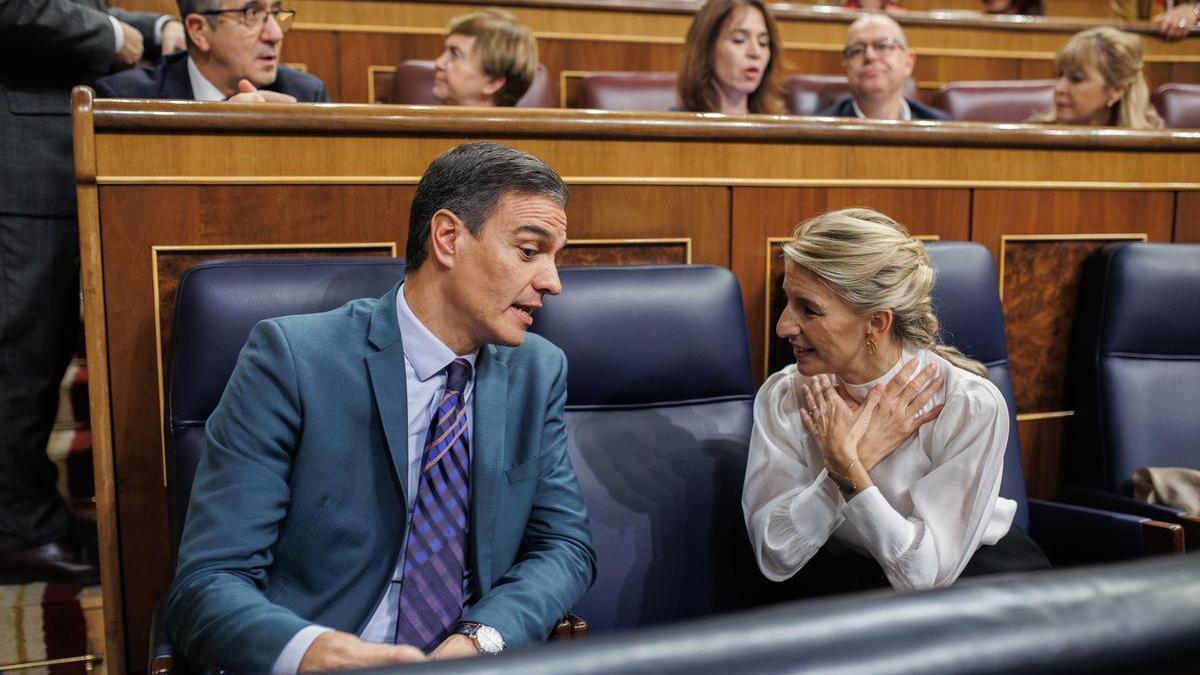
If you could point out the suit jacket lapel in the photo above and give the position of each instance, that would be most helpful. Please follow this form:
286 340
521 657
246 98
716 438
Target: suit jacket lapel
176 84
386 368
487 457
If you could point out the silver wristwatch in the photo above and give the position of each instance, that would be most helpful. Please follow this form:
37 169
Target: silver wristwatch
487 639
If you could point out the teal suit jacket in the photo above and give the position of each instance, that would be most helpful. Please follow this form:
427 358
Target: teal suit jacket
298 509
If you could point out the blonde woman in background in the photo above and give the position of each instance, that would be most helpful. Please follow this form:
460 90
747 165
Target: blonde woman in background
876 459
1100 82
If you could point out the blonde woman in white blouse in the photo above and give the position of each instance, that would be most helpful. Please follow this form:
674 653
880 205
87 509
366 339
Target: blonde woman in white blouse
876 458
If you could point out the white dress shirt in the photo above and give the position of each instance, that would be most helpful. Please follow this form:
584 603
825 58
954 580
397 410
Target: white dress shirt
202 89
935 498
425 361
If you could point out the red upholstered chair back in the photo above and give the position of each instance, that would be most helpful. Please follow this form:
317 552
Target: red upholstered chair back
413 85
1179 105
809 94
995 101
627 91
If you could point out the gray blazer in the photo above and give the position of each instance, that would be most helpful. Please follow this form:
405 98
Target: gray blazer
47 47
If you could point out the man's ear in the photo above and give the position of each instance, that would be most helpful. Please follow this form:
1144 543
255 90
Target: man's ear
445 233
493 85
195 26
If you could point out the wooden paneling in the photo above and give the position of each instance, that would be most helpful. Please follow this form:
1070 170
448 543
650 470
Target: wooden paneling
1187 217
136 218
698 214
764 213
1041 441
320 54
1040 277
644 188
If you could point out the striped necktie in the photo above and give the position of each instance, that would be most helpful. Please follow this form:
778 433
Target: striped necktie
431 592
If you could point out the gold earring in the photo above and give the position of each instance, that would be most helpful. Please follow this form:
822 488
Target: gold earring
870 345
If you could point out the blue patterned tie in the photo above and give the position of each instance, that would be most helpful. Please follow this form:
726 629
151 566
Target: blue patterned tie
431 593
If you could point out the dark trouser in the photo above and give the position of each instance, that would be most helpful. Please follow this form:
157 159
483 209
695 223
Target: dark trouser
39 329
836 569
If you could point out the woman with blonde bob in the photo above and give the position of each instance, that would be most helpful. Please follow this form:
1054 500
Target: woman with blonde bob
1100 82
731 60
876 459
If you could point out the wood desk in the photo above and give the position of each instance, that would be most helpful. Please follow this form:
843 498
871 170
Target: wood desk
163 185
345 42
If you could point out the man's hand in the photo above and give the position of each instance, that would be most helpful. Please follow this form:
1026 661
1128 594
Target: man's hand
895 418
336 650
454 647
172 37
131 49
1177 23
247 93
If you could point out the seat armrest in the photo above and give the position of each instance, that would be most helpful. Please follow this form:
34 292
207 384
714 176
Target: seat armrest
569 628
1072 534
162 654
1109 501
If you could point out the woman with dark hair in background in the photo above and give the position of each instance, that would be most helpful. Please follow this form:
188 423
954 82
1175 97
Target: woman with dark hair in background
731 60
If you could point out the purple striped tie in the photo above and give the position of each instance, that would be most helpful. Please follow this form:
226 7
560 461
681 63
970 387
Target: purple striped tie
431 592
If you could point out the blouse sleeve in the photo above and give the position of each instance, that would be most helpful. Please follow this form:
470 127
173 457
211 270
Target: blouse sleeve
790 504
952 502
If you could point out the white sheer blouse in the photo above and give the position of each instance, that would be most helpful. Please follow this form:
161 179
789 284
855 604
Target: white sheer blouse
935 498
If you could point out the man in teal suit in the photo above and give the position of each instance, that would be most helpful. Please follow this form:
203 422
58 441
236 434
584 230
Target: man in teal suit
395 470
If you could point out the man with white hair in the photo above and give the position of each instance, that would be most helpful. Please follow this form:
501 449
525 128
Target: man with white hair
878 63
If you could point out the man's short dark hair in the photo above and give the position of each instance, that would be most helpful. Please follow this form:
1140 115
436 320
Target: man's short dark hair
469 181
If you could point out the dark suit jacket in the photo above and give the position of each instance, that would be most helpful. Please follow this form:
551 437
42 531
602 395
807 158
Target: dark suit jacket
298 508
47 47
169 79
920 111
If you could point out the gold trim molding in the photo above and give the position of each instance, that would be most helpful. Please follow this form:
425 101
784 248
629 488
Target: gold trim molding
714 181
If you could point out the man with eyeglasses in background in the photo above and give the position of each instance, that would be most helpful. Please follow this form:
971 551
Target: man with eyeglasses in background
233 52
878 64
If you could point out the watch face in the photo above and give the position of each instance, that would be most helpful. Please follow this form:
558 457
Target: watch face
489 640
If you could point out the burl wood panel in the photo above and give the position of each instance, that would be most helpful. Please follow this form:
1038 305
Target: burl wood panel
1187 217
761 213
585 254
1041 288
1040 278
134 219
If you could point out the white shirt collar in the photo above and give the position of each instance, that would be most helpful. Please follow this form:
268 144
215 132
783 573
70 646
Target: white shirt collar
202 89
427 355
905 111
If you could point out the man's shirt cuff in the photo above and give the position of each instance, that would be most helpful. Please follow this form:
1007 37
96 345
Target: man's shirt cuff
118 33
288 662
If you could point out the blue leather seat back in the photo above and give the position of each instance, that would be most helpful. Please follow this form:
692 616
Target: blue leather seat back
966 301
217 304
659 412
1139 367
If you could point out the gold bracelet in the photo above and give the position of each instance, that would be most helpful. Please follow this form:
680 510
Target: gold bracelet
851 467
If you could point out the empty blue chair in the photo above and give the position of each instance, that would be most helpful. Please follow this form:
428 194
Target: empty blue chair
966 300
659 412
1135 376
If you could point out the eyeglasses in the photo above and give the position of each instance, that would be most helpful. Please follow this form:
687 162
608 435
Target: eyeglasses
881 47
254 17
